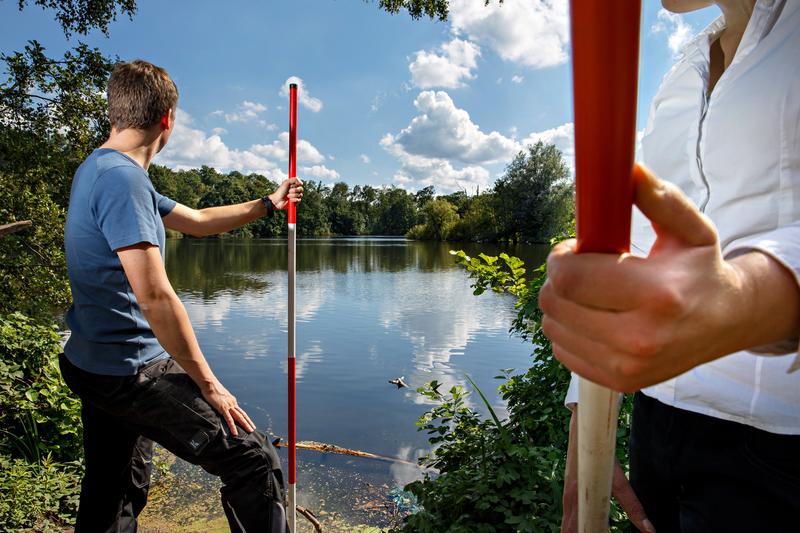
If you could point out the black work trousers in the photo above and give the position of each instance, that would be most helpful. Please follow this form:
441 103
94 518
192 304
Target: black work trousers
695 473
122 417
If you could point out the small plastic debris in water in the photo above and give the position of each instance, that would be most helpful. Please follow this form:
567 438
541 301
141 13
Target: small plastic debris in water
405 501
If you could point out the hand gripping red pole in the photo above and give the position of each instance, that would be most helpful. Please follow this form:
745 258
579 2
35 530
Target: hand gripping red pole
292 237
605 56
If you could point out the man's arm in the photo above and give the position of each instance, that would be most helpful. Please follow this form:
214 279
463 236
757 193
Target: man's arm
628 322
144 269
214 220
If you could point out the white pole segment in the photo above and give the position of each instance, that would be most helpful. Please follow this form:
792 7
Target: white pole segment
598 409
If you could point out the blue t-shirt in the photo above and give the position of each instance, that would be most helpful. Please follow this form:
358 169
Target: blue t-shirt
112 205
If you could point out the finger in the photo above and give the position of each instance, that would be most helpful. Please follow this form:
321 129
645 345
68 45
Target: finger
670 211
569 517
623 492
250 425
603 281
580 366
231 423
612 328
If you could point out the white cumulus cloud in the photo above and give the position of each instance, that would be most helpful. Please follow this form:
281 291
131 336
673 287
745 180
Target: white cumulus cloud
245 112
303 95
449 66
279 149
533 33
516 78
365 159
190 147
319 171
678 31
562 136
445 131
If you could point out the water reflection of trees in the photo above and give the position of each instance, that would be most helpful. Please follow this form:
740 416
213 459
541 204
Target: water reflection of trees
206 266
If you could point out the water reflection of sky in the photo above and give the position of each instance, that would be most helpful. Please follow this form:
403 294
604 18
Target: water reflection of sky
368 311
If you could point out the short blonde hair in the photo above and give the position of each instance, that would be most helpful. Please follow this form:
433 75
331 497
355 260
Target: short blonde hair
139 94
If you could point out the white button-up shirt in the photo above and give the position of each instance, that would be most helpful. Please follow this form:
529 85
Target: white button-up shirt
736 154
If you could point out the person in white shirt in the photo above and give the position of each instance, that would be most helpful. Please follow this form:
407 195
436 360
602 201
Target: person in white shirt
711 288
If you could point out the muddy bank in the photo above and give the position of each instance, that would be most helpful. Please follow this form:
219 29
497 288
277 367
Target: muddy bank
184 498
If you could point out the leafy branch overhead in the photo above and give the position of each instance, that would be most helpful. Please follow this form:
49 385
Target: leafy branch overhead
80 16
433 9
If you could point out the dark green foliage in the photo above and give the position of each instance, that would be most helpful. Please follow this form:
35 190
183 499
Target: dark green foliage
433 9
40 430
440 218
536 193
43 139
37 497
502 475
38 413
397 212
532 202
80 16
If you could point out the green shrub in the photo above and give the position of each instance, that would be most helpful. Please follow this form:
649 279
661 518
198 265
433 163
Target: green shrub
38 413
39 496
502 475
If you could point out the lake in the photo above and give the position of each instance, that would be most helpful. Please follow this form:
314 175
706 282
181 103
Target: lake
368 310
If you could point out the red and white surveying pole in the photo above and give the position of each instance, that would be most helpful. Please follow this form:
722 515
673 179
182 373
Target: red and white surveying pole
605 58
292 233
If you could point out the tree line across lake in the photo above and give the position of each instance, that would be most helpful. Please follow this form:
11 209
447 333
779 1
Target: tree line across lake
531 202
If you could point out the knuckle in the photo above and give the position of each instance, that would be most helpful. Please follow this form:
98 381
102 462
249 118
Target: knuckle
668 300
626 372
562 279
546 297
643 345
548 327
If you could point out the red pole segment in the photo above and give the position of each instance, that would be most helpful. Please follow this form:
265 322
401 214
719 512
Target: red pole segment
292 144
605 56
292 393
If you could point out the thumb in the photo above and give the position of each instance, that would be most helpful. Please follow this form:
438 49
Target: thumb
672 214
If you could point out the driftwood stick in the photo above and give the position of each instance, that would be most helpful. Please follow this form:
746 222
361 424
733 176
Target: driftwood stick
332 448
310 517
14 227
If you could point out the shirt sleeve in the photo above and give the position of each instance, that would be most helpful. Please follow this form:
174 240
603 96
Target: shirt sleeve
572 391
125 206
165 205
782 245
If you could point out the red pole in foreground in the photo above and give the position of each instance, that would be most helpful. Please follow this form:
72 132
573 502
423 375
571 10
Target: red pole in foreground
292 232
605 57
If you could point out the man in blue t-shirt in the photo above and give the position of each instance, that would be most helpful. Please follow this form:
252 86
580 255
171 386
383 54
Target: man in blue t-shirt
132 356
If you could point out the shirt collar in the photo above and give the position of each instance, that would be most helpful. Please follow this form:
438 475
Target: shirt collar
765 14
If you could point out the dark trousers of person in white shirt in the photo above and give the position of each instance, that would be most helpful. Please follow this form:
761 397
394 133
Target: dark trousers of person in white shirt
695 473
122 417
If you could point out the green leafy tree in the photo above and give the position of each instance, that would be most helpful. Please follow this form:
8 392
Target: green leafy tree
440 218
480 222
397 212
312 213
53 115
533 184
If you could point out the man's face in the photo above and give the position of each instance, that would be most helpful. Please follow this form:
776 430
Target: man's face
685 6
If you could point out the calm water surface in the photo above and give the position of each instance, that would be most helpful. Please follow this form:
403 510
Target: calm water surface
368 310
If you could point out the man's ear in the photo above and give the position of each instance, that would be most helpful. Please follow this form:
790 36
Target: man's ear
165 120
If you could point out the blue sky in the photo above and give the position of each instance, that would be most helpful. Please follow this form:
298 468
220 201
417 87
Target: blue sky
387 100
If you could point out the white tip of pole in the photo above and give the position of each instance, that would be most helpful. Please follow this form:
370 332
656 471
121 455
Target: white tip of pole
291 512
